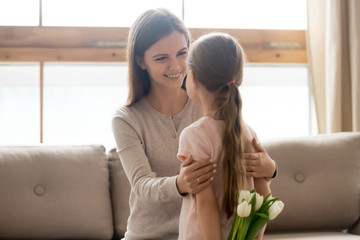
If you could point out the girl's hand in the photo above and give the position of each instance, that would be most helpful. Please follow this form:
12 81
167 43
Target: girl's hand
259 164
194 176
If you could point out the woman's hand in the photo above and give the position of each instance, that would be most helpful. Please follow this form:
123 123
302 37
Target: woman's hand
194 176
259 164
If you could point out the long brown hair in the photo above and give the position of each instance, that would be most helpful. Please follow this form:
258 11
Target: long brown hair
148 28
216 61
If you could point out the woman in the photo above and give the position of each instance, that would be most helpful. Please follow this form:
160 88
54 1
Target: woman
147 128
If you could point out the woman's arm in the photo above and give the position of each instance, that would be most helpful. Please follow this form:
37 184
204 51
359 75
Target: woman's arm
208 214
143 180
136 165
194 176
263 188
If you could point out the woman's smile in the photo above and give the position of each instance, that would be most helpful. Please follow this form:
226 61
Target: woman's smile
173 76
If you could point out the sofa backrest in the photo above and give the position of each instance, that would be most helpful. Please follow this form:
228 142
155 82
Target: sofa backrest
319 182
58 192
54 192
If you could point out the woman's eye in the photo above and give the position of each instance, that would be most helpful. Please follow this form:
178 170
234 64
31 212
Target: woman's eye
160 59
182 53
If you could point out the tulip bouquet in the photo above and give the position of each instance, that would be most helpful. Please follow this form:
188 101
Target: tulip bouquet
253 212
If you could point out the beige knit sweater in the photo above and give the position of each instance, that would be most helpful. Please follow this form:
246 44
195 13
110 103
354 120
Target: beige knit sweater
147 143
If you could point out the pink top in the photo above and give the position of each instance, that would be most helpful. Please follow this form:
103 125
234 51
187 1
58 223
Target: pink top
203 140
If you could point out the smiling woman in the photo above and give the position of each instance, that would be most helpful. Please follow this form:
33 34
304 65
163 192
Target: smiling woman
147 129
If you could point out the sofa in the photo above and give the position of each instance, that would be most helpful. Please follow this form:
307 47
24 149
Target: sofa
81 192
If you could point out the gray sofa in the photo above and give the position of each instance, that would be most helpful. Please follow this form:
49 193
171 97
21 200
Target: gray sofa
81 192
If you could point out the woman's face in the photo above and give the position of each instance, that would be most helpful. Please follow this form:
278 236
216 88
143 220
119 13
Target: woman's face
165 61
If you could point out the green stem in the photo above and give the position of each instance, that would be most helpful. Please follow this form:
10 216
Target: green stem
245 223
239 234
235 227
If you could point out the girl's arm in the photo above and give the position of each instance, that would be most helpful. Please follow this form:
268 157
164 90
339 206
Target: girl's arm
208 214
263 188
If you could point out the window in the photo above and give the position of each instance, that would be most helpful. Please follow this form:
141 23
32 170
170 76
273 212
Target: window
250 14
19 103
108 13
19 12
80 100
276 100
73 101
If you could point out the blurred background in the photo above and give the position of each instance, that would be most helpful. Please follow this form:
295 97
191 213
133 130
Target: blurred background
63 68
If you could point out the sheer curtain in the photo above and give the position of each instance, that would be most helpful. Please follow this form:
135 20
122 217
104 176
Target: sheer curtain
334 57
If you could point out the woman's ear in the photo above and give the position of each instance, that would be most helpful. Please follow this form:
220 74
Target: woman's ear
140 62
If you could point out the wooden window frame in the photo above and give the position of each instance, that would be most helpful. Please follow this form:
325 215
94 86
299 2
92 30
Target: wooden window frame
108 44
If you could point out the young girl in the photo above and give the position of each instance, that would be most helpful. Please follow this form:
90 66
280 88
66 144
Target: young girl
215 64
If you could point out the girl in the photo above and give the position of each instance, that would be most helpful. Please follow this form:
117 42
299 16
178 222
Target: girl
215 64
147 128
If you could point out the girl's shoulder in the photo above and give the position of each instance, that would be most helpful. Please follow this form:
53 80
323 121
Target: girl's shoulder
250 134
205 126
207 123
249 131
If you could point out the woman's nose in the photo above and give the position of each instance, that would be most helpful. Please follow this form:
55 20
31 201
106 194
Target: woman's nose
174 65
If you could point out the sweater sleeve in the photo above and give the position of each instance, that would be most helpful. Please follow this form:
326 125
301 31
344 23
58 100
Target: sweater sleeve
143 180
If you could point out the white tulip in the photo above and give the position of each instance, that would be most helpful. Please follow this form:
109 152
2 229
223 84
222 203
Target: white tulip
259 201
244 209
275 209
245 195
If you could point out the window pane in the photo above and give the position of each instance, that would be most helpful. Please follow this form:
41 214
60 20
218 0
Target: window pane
248 14
276 100
19 12
19 104
80 100
101 13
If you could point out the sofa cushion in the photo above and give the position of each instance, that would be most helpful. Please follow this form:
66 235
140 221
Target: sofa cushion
318 180
120 192
54 192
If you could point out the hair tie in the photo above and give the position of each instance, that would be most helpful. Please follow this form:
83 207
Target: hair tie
231 82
